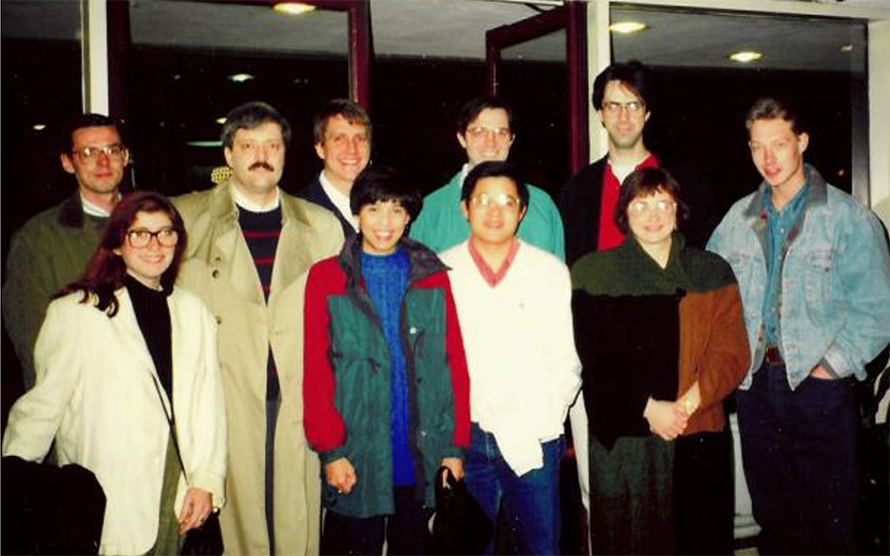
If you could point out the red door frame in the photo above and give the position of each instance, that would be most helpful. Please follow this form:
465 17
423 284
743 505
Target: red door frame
571 17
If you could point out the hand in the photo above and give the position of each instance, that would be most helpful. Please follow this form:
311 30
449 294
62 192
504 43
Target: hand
456 466
666 419
196 509
341 475
821 373
691 400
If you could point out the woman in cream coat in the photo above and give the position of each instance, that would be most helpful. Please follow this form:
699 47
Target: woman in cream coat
106 357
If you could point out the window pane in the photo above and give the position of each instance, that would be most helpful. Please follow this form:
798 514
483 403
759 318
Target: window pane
208 58
41 87
701 96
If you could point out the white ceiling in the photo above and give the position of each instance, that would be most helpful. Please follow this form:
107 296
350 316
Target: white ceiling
456 29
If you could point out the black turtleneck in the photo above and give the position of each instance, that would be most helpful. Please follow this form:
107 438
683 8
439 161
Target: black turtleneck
153 316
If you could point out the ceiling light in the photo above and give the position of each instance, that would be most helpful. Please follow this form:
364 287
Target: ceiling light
847 48
38 127
745 56
240 77
626 27
221 121
205 144
292 8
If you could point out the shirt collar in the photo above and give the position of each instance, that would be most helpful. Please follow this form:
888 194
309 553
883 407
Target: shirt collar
242 201
93 209
340 201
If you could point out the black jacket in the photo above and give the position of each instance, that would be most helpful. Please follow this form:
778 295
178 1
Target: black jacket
579 206
314 193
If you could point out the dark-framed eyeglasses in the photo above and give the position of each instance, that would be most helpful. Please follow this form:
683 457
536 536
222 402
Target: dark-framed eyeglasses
140 237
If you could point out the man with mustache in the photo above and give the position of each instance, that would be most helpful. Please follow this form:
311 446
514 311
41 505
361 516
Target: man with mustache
342 131
52 249
250 245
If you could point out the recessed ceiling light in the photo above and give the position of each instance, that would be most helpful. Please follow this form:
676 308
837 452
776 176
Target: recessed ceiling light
38 127
221 121
240 77
292 8
626 27
847 48
745 56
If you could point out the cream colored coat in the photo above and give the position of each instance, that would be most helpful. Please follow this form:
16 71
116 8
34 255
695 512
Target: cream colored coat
96 396
220 269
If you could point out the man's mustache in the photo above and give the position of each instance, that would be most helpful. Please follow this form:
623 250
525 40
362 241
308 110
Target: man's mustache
263 165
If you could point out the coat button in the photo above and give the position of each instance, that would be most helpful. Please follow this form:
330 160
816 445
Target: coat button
412 330
218 319
215 273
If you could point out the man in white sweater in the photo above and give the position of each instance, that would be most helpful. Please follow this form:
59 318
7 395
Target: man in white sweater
514 305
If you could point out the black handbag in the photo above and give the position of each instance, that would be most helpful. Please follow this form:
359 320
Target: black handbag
459 525
49 509
205 540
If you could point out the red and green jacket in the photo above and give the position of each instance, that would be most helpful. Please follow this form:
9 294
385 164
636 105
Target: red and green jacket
346 382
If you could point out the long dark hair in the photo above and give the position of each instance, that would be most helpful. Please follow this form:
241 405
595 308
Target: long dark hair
106 270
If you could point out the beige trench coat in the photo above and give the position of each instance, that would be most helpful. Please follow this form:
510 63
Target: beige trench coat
219 268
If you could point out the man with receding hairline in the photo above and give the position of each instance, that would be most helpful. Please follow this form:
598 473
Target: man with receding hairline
52 249
250 245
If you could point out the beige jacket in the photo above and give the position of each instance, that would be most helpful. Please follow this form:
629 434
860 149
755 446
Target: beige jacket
96 396
220 269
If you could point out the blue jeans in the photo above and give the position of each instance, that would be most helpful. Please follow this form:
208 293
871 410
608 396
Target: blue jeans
531 502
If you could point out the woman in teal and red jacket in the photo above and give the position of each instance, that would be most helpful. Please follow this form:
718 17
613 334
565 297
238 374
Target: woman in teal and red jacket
385 387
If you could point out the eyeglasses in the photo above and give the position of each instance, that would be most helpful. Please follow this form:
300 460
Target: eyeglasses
632 107
140 237
502 200
661 206
92 153
480 131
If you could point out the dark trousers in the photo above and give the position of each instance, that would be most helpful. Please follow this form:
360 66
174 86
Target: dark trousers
632 496
704 493
799 453
405 531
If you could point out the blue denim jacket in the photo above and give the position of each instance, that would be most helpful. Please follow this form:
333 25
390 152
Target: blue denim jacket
835 281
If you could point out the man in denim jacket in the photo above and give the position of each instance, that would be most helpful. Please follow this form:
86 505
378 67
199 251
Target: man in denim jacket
814 273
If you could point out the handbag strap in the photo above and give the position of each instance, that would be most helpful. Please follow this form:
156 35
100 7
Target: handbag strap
171 420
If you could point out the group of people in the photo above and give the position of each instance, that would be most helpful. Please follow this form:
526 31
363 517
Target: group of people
319 362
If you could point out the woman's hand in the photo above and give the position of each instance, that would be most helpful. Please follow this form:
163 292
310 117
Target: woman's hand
666 419
196 509
341 475
456 466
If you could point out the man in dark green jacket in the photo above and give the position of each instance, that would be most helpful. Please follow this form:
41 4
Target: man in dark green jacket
52 249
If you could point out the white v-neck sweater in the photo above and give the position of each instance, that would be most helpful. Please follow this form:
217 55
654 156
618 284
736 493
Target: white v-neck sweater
520 346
